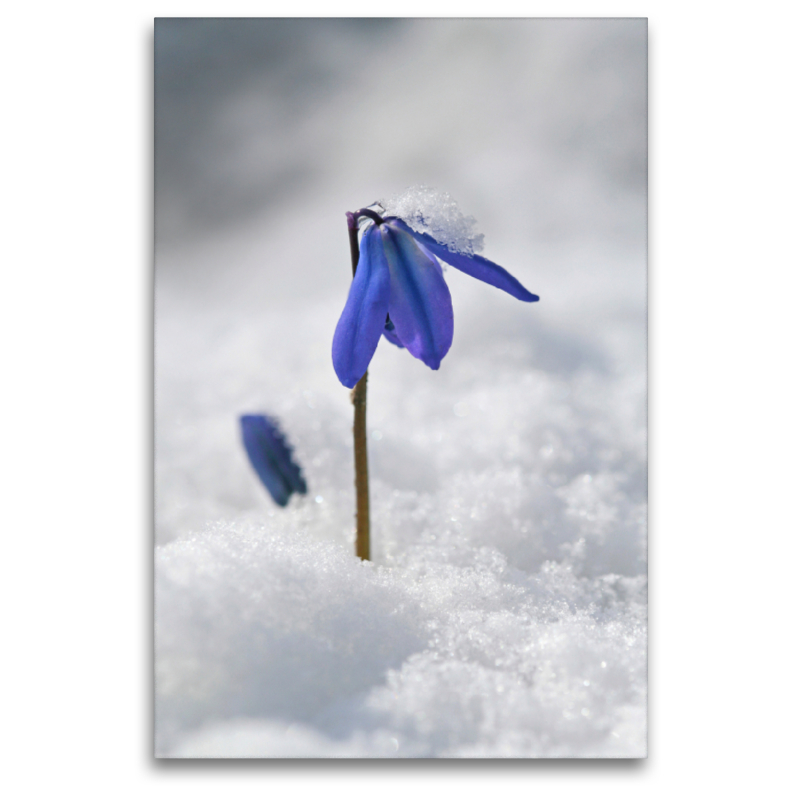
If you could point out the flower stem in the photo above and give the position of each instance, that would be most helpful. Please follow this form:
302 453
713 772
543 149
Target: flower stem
359 399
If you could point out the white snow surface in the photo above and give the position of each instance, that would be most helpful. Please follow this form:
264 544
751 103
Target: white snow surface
427 210
504 612
283 647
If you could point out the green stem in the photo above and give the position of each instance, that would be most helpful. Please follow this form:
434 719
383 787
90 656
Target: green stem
359 399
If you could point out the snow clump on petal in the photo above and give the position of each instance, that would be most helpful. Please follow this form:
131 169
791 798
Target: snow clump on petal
427 211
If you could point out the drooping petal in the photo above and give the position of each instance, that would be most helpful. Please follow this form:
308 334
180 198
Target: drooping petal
271 457
361 324
476 266
419 300
390 333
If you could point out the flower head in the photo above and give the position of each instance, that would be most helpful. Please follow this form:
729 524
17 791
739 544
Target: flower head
399 291
271 457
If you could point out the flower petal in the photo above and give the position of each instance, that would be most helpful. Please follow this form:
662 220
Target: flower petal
476 266
419 300
271 457
391 334
361 324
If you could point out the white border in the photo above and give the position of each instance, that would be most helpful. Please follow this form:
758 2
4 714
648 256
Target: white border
76 337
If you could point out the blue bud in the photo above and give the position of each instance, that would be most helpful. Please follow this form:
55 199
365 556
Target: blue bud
271 457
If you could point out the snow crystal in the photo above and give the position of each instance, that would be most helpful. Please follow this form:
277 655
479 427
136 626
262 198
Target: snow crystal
427 211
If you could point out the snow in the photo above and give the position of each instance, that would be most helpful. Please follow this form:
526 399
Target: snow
437 655
504 614
426 210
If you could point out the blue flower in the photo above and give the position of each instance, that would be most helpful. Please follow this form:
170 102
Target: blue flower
399 291
271 457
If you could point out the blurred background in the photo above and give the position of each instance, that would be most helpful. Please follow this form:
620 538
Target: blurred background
255 114
530 441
